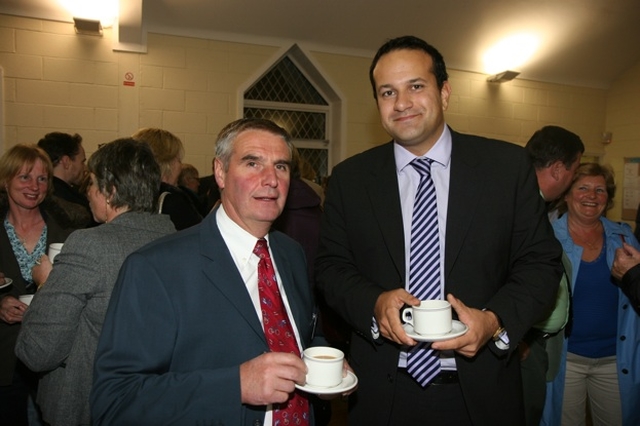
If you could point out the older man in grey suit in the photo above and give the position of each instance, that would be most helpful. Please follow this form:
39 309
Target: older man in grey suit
61 327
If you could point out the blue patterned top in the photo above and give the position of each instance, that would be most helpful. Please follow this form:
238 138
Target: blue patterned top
26 260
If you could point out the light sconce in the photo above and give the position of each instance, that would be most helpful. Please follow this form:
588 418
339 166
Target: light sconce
503 76
87 26
607 137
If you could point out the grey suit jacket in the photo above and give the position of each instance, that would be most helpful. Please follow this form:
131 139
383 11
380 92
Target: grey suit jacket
179 325
60 329
500 254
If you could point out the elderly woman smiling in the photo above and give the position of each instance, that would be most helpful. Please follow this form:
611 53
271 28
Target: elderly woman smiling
61 327
600 358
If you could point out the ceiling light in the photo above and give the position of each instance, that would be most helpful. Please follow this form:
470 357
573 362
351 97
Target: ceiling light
512 52
105 11
503 76
87 26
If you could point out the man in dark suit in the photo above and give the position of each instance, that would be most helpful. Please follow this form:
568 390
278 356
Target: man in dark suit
69 170
208 191
183 339
555 154
499 261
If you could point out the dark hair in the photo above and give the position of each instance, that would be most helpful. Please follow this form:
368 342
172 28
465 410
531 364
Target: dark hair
592 169
58 144
439 68
226 137
16 157
553 143
127 174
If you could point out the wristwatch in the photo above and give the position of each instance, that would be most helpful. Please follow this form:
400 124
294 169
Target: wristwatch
501 338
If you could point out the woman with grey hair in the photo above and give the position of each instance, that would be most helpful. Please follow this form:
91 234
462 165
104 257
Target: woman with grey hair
61 327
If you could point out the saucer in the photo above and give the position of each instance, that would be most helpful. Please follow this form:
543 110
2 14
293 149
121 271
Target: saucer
347 384
7 282
457 329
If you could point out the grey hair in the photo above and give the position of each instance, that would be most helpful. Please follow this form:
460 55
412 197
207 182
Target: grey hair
227 136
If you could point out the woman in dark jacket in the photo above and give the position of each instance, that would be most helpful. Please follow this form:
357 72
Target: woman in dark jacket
31 221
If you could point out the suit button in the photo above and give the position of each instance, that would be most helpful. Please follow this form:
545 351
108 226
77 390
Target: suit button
625 371
390 378
623 338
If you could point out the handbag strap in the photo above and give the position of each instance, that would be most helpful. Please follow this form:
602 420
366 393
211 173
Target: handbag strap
161 201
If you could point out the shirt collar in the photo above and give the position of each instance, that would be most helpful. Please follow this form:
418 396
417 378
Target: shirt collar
240 242
439 153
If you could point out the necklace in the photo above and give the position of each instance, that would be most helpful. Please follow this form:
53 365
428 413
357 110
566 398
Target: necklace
591 244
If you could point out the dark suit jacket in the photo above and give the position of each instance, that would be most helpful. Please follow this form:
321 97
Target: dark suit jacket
208 191
500 254
178 206
179 324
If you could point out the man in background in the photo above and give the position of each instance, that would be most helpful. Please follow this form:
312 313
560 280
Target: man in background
68 158
626 269
189 182
208 191
555 153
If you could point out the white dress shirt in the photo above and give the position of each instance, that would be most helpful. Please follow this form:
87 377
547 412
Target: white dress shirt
241 244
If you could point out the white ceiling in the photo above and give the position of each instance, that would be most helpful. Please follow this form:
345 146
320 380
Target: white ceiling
585 42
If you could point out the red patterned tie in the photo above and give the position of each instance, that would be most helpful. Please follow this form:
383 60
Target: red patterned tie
279 334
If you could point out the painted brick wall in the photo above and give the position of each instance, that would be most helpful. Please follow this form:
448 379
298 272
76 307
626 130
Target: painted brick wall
57 80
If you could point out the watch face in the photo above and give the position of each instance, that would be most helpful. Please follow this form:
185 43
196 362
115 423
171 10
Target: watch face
504 337
501 345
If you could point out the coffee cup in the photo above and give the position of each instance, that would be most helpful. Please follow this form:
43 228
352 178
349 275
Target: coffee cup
54 249
324 366
431 317
26 298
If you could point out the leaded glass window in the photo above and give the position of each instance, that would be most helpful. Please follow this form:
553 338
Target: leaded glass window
286 96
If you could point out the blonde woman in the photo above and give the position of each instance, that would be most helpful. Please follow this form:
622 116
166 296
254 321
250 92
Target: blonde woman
31 221
168 152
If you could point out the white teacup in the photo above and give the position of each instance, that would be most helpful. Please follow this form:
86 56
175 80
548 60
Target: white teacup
431 317
324 365
26 298
54 250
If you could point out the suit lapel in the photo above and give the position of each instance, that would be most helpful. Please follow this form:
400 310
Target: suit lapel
298 293
385 205
465 188
220 270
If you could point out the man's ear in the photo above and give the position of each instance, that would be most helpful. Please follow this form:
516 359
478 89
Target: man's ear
556 170
65 160
218 173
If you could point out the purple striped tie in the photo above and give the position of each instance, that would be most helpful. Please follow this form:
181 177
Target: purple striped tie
423 363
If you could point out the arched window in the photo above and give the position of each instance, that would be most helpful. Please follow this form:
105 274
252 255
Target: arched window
293 94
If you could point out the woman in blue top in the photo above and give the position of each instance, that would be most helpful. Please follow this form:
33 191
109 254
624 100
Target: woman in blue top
601 358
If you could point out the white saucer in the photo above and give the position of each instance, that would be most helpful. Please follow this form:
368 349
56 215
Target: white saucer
457 329
347 384
7 282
